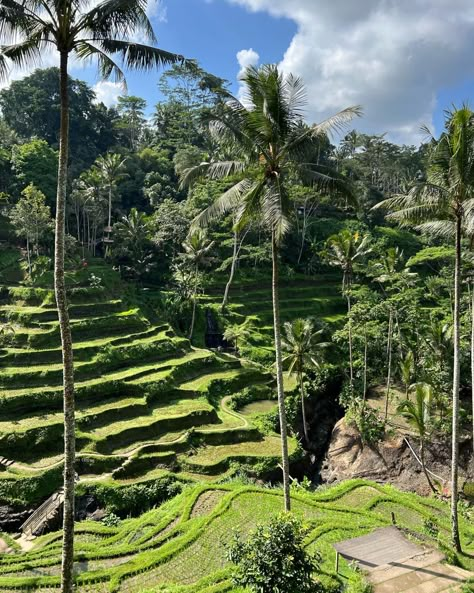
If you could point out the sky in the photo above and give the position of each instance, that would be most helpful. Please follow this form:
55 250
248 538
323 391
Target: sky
403 61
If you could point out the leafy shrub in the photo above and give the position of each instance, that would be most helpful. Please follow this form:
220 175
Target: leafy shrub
134 499
357 583
111 520
274 559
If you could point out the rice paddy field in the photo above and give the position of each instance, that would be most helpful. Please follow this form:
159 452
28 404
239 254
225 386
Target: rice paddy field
148 402
181 546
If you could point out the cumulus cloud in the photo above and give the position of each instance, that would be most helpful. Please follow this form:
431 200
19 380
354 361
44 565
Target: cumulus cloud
245 58
390 56
108 92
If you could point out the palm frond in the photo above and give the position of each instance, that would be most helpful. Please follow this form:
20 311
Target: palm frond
118 18
108 69
337 122
138 56
229 200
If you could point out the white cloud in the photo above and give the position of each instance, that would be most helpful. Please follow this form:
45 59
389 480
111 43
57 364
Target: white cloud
245 58
390 56
108 92
156 9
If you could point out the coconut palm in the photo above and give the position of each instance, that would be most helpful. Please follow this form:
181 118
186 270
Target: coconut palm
435 205
237 332
407 370
303 348
196 254
417 414
72 28
344 250
111 170
266 134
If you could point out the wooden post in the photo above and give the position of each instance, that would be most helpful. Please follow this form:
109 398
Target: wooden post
394 522
337 562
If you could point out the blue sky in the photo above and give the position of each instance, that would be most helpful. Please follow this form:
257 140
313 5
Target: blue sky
404 61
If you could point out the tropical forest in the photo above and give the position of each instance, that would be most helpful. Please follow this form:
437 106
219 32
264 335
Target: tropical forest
236 342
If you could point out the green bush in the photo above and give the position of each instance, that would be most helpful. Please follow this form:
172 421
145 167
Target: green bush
274 559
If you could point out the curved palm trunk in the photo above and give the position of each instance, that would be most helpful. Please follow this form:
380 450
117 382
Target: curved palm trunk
303 409
66 340
279 374
232 272
456 383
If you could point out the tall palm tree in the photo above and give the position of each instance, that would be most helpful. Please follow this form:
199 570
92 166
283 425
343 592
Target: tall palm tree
344 250
29 28
111 170
266 134
435 205
196 253
417 414
303 348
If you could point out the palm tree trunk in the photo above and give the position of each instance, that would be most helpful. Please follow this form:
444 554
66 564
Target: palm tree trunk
193 316
423 465
232 272
279 374
456 382
66 339
351 364
389 366
364 389
472 361
303 409
28 254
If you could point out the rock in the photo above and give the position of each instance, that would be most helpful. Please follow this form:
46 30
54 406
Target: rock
11 519
391 461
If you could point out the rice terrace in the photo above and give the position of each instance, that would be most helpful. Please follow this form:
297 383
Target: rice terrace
236 297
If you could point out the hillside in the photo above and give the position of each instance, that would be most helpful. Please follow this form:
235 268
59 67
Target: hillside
181 545
147 401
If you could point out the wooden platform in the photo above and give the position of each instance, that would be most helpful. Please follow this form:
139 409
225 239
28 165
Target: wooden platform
382 546
396 565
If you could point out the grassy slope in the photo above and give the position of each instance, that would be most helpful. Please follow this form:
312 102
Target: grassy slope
138 385
180 547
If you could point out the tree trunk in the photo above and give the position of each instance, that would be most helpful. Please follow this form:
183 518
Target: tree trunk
364 389
279 374
303 409
193 316
423 465
66 339
351 364
28 254
472 362
456 382
232 272
389 366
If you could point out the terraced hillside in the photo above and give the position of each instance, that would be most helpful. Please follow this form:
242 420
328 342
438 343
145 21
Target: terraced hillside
300 296
181 547
147 401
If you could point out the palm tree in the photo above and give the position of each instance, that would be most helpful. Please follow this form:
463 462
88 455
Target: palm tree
389 269
407 370
344 250
30 28
303 348
435 205
111 170
417 414
235 333
196 253
269 140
